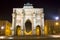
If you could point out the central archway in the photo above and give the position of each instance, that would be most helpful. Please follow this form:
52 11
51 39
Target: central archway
28 26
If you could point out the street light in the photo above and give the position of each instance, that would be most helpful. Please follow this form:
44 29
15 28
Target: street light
2 27
57 18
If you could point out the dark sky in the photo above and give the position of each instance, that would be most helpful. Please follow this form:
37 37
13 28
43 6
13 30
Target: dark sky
51 7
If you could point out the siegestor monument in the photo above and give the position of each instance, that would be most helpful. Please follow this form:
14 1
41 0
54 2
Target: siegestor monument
27 20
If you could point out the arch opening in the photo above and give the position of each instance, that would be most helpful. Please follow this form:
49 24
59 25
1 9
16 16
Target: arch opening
38 30
18 30
28 26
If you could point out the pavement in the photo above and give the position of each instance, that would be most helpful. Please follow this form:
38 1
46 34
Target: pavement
49 37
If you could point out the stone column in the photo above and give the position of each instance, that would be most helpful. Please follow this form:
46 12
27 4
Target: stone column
23 22
14 22
22 30
42 24
33 25
13 17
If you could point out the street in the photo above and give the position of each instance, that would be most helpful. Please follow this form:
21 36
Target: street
51 37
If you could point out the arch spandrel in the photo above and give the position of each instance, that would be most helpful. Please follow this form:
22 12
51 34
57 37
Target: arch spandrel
28 19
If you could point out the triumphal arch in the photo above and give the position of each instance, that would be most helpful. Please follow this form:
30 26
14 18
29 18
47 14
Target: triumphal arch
28 20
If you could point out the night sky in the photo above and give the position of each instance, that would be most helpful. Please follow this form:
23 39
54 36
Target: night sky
51 8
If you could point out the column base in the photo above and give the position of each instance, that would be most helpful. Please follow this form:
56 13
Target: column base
22 32
34 32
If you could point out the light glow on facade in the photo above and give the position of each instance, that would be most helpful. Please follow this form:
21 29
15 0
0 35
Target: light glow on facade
56 23
2 27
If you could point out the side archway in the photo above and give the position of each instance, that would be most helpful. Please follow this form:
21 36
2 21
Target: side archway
18 30
38 30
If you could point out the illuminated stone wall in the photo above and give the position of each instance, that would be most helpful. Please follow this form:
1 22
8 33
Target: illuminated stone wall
52 27
3 25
